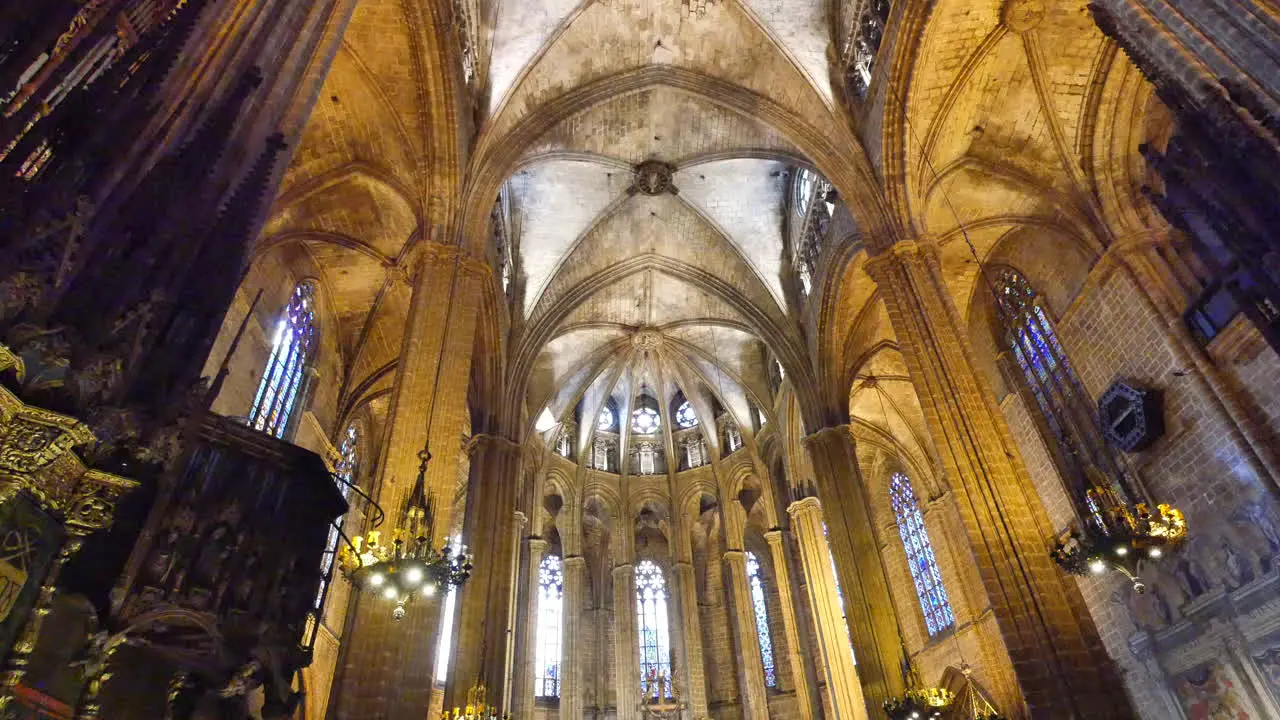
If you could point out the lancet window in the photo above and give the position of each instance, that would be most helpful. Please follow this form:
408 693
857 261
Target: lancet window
1069 422
924 568
291 349
732 436
762 620
348 457
445 645
695 452
600 454
651 619
550 623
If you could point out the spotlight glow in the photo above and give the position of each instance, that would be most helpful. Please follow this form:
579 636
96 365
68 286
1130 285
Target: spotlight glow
1155 552
1098 567
1122 551
377 579
389 593
413 575
429 590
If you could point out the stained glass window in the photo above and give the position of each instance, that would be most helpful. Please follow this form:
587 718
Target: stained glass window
806 181
290 351
762 620
647 458
1070 425
564 443
844 616
645 421
733 436
685 416
605 420
695 452
348 456
651 620
924 568
445 645
550 611
600 455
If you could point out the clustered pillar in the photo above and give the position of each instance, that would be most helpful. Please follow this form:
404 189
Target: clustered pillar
867 603
824 598
625 646
755 703
379 654
790 628
572 685
1059 661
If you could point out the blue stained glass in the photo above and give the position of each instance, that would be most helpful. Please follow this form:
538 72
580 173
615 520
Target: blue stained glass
762 620
550 616
273 405
920 560
348 456
651 619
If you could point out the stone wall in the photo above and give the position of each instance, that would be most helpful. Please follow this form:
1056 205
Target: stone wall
1205 634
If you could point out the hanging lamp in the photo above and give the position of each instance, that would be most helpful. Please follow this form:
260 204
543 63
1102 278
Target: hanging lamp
402 564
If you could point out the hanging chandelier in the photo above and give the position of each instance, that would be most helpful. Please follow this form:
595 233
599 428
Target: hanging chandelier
477 707
917 702
1120 537
403 564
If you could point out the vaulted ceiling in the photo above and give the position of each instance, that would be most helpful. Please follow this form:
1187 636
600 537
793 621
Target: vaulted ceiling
996 124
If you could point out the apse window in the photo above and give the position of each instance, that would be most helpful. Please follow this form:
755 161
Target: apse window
645 421
550 623
282 379
924 568
762 620
605 421
685 415
651 620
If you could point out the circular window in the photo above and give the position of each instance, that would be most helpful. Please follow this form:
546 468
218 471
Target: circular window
645 421
685 416
605 421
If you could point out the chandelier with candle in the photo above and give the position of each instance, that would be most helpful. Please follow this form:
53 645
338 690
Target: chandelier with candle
403 564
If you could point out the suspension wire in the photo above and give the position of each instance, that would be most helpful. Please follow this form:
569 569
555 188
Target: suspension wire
993 508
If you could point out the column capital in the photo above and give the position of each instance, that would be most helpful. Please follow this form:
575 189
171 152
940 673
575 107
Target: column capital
774 536
805 506
624 569
826 434
735 556
575 561
538 545
521 520
429 256
486 442
914 249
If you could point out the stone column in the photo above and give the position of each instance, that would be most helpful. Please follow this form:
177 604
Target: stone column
524 702
755 704
573 638
378 653
828 616
686 587
484 603
872 622
1060 664
626 651
790 627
